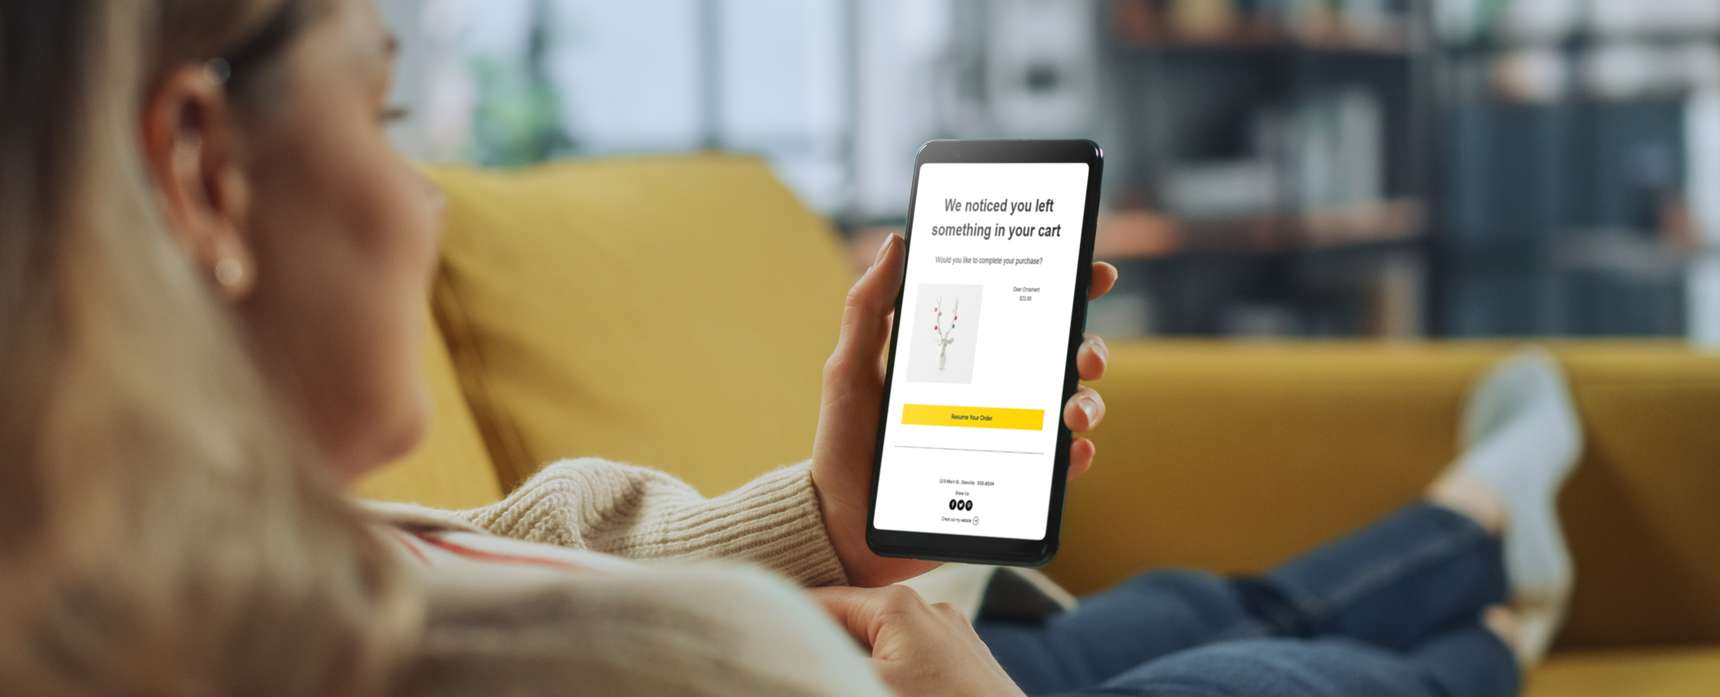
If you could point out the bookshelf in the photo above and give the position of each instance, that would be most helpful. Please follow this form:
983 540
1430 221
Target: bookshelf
1275 170
1573 194
1135 236
1316 168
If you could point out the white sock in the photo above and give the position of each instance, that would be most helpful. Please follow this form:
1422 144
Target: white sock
1522 438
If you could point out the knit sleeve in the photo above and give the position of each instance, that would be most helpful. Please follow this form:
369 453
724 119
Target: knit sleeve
702 631
640 513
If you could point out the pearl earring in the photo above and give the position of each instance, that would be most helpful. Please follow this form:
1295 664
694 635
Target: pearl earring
230 273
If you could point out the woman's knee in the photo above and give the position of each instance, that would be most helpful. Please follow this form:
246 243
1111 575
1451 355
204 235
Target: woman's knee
1213 599
1193 586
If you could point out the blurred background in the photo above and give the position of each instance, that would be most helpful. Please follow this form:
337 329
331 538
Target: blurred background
1300 168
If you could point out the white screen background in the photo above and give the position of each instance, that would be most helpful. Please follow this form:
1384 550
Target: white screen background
1018 361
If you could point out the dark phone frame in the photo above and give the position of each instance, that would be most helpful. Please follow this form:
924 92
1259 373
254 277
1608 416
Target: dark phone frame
973 548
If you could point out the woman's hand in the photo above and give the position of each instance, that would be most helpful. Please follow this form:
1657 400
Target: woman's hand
848 418
917 648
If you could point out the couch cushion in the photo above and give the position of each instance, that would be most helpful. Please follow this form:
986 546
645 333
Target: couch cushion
672 312
1665 673
450 469
1236 457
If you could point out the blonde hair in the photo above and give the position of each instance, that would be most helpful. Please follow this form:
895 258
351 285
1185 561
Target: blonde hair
162 532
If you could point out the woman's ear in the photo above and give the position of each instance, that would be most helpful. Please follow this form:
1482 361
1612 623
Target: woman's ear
191 147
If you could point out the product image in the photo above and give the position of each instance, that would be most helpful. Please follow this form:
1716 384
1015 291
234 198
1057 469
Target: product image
945 349
945 338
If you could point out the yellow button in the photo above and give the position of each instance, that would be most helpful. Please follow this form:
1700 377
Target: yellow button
973 417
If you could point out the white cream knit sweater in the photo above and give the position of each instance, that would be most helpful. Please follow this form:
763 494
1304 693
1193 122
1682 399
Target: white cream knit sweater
681 625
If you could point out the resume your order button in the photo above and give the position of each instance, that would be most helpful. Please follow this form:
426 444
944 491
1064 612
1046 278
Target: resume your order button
973 417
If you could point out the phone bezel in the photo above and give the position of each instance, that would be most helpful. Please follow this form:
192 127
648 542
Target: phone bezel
973 548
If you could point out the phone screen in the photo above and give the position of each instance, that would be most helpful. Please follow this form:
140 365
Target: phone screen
978 372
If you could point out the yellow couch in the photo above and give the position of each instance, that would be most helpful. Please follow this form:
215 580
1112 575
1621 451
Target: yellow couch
675 312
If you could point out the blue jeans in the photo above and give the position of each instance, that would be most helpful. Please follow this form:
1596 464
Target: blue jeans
1390 611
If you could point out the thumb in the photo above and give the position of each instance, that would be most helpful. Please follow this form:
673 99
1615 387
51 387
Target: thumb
865 325
855 610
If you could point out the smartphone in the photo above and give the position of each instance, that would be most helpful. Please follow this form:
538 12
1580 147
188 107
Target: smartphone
972 450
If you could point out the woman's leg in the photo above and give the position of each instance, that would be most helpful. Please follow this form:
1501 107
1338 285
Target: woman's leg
1390 585
1424 569
1149 616
1468 660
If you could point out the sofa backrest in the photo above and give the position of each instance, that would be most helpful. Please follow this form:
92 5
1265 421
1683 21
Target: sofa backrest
673 312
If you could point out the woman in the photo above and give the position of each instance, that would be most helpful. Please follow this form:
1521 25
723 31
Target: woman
211 273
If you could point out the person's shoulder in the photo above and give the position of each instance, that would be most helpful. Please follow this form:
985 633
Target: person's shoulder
412 516
701 629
